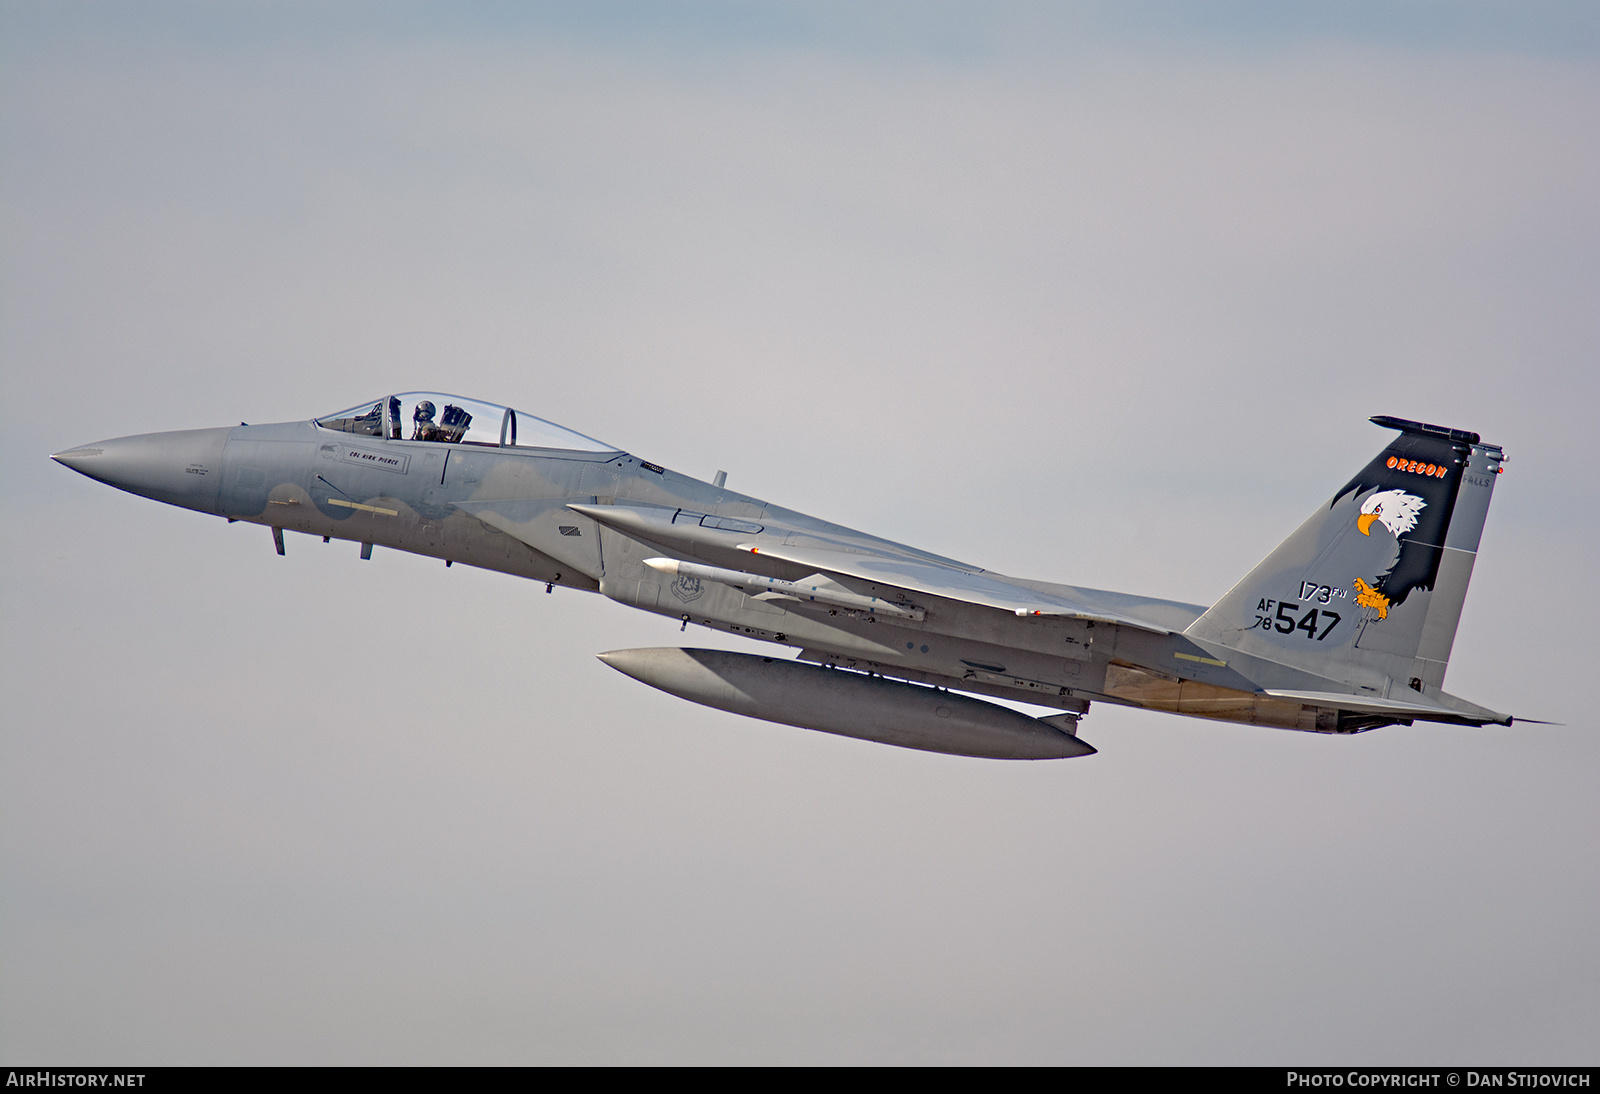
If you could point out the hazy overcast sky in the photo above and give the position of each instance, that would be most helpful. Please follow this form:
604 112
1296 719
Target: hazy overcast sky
1091 293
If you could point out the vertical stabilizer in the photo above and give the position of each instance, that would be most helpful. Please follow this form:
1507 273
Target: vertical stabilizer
1368 591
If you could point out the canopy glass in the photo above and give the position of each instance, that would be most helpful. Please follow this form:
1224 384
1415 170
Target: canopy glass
450 419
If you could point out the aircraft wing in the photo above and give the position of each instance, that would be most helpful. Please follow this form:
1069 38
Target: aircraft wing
861 558
930 579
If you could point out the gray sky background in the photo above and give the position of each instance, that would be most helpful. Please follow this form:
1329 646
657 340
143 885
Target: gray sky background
1093 293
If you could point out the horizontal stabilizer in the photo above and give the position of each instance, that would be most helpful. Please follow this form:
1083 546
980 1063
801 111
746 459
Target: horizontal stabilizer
1419 707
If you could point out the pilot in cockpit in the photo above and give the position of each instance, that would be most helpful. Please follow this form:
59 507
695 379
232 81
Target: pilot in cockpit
424 428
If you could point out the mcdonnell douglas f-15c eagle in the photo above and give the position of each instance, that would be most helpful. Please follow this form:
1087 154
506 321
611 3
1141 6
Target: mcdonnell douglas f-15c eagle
1345 627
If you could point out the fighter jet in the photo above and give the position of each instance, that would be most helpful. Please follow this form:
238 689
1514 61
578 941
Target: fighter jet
1345 627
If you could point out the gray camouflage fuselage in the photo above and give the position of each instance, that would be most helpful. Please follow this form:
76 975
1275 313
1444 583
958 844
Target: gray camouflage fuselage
590 520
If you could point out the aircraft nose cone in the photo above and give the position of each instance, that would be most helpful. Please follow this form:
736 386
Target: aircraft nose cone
183 467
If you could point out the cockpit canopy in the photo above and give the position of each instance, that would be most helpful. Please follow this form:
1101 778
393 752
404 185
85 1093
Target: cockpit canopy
450 419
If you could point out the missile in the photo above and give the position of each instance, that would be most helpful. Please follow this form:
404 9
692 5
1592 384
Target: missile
850 704
816 588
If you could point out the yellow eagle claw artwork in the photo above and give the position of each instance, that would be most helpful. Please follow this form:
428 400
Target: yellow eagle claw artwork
1368 597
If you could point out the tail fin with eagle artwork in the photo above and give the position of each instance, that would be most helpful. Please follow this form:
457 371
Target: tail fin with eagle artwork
1367 592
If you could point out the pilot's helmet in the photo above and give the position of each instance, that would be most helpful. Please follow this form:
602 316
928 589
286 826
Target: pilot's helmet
424 412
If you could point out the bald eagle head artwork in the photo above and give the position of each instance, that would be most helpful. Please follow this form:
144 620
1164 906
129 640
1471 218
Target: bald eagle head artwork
1396 509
